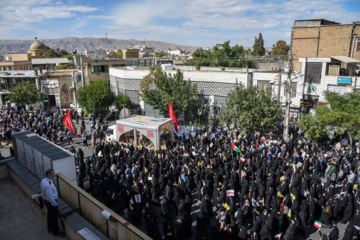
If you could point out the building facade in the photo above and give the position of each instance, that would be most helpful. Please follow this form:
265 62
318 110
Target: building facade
324 74
213 85
99 69
10 79
319 38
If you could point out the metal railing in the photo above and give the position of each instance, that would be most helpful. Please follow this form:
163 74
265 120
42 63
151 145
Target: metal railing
91 209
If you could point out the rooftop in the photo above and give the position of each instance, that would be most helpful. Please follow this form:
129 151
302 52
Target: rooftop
36 61
37 45
19 74
313 22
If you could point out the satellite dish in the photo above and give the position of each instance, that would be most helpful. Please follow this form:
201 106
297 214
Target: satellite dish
124 113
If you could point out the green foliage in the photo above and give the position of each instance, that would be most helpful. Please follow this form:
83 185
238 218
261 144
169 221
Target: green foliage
251 108
96 97
86 113
312 127
51 53
122 101
117 54
280 48
157 88
226 57
62 67
24 93
63 53
258 48
160 54
344 112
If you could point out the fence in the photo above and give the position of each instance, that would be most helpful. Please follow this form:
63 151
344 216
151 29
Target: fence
91 209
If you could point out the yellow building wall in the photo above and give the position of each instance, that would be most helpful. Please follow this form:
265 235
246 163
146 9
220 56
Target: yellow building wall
4 66
335 40
322 42
17 56
103 75
126 53
356 54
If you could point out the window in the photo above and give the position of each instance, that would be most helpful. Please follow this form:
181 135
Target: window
96 69
313 72
263 84
292 90
358 45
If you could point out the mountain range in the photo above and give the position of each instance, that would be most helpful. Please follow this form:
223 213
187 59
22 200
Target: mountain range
88 43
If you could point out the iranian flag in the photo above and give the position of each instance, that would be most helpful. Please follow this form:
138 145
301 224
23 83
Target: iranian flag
138 198
92 140
235 148
208 167
306 193
357 227
126 150
230 193
186 154
242 159
186 166
278 236
317 224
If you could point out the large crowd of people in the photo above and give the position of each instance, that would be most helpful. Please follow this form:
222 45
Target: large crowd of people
249 185
232 183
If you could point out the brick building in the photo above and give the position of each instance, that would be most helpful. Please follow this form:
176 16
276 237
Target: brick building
320 38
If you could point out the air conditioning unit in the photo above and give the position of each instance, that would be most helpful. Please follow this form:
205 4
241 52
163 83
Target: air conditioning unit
77 78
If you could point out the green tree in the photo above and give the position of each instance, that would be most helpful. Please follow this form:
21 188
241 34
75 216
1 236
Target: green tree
51 53
63 53
96 97
65 66
122 101
343 112
280 48
258 48
226 56
114 54
160 54
251 107
24 93
157 88
312 127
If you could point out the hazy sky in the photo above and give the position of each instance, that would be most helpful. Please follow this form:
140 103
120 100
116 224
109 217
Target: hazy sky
198 23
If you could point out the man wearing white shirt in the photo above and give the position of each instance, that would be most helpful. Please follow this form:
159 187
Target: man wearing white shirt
50 196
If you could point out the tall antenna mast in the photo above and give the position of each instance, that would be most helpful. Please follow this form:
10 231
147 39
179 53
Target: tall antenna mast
106 44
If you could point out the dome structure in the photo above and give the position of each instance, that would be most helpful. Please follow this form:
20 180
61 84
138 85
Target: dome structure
37 45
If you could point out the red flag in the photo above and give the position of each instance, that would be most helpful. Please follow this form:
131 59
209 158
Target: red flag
173 116
69 123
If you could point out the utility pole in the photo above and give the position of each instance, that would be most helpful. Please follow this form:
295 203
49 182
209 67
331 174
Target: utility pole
82 70
279 88
287 106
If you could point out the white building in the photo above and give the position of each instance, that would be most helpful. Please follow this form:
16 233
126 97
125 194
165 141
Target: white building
335 74
214 84
95 54
175 52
